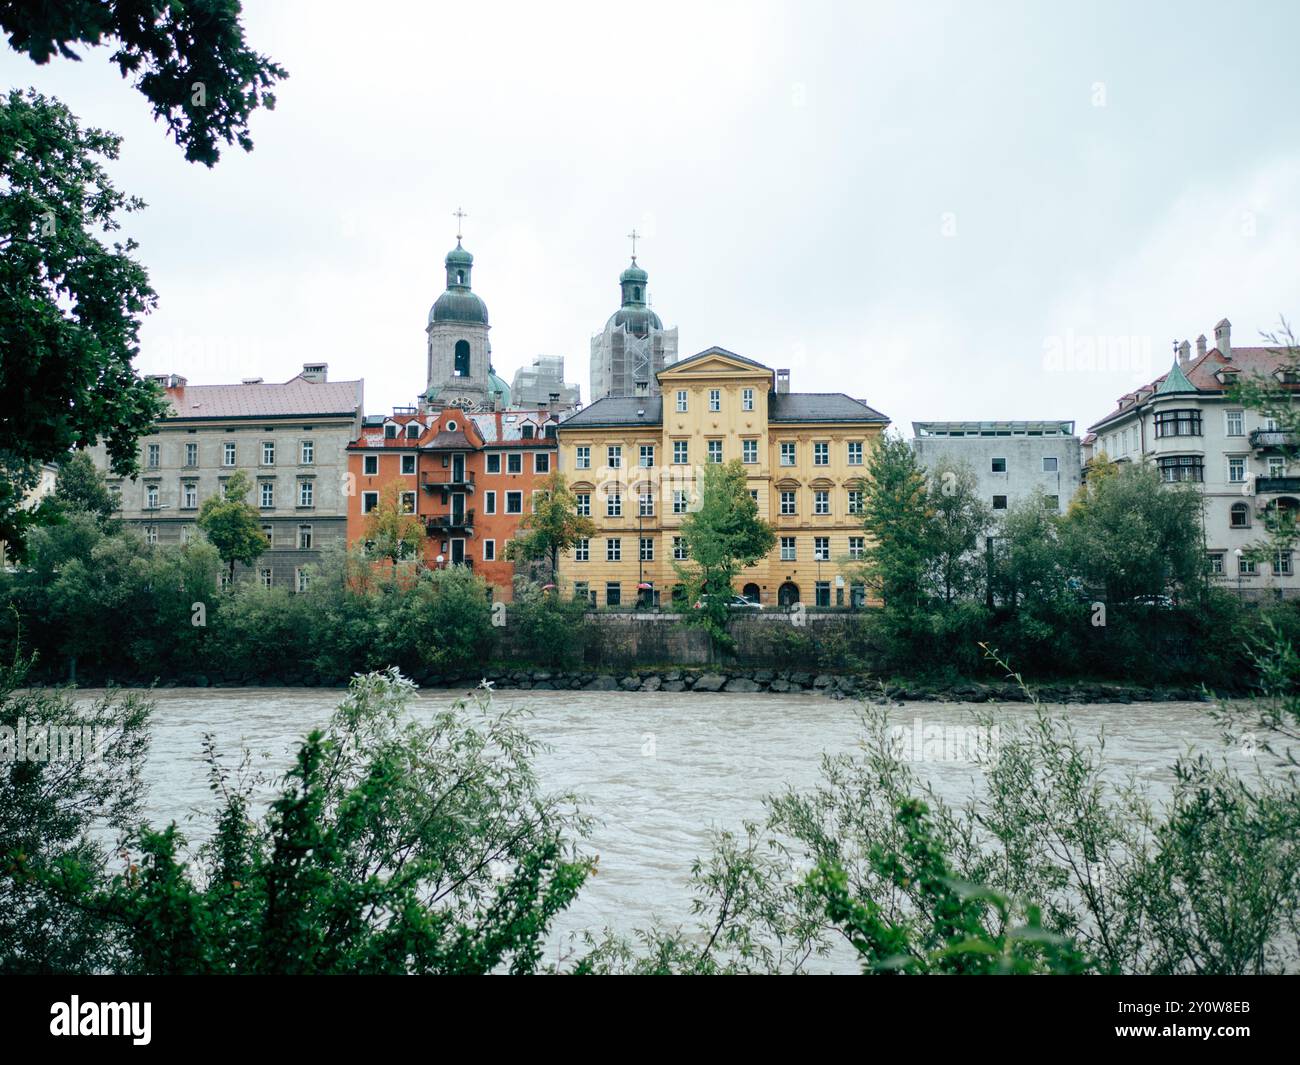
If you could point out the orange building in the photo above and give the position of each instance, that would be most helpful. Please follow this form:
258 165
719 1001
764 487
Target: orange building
469 479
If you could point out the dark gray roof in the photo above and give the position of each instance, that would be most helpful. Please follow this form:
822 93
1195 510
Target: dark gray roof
820 407
618 410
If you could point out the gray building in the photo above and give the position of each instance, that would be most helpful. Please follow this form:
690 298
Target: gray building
1010 459
634 346
542 385
289 439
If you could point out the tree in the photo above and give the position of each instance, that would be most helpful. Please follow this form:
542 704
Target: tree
552 526
959 519
232 525
71 305
897 520
80 486
188 57
395 533
722 536
1134 537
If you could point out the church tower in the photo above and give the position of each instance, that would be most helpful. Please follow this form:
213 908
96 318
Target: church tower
634 345
459 352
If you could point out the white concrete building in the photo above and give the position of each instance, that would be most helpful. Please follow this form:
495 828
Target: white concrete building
1185 424
1010 459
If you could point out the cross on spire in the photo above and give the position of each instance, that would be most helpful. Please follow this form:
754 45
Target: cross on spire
459 216
634 235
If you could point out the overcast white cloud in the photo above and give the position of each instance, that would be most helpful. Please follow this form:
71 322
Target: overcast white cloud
907 202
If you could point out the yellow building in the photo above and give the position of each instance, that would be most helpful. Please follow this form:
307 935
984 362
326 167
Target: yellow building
633 463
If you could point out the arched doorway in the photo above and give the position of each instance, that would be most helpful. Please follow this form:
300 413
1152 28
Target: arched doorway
787 594
752 593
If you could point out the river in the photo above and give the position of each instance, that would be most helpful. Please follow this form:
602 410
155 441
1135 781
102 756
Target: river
658 769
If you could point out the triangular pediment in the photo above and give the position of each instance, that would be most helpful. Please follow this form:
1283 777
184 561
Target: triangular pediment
710 362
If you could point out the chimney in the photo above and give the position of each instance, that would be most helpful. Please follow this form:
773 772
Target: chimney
1184 354
1223 338
642 388
555 399
783 380
251 381
1200 345
315 371
176 381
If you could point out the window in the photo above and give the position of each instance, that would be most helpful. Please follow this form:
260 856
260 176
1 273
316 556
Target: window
821 548
646 504
857 546
787 453
1239 516
821 502
1216 563
788 503
998 465
489 502
515 463
191 454
304 578
821 453
153 454
681 452
369 500
370 466
494 462
1050 464
715 451
541 462
582 591
749 451
855 501
489 550
614 549
408 502
514 502
582 457
269 532
528 432
304 537
268 452
390 431
647 549
614 453
1053 502
747 399
679 549
408 465
265 576
613 593
307 453
1234 423
1276 466
584 504
581 550
753 494
715 399
461 357
613 505
680 502
822 593
1178 423
228 454
151 497
681 402
1246 566
855 452
1282 564
787 549
306 493
266 490
189 495
1236 470
412 430
1181 468
999 502
151 537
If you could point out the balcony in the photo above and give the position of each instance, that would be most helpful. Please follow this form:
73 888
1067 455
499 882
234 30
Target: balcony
448 481
435 524
1272 439
1273 485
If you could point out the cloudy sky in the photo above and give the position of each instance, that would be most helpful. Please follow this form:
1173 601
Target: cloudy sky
945 209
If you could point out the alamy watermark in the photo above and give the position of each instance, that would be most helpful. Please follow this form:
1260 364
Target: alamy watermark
920 742
51 742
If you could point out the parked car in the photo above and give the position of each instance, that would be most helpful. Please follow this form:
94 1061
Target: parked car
734 602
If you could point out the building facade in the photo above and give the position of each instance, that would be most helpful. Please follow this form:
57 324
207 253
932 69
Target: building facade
468 478
1011 460
289 439
1186 425
542 385
634 347
634 463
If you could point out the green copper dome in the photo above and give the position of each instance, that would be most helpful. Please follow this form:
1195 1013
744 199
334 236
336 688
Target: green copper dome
459 303
633 273
498 384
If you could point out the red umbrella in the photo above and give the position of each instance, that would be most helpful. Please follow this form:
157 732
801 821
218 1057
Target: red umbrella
547 587
644 587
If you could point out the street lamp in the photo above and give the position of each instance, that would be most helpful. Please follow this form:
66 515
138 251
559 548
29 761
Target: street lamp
1238 553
